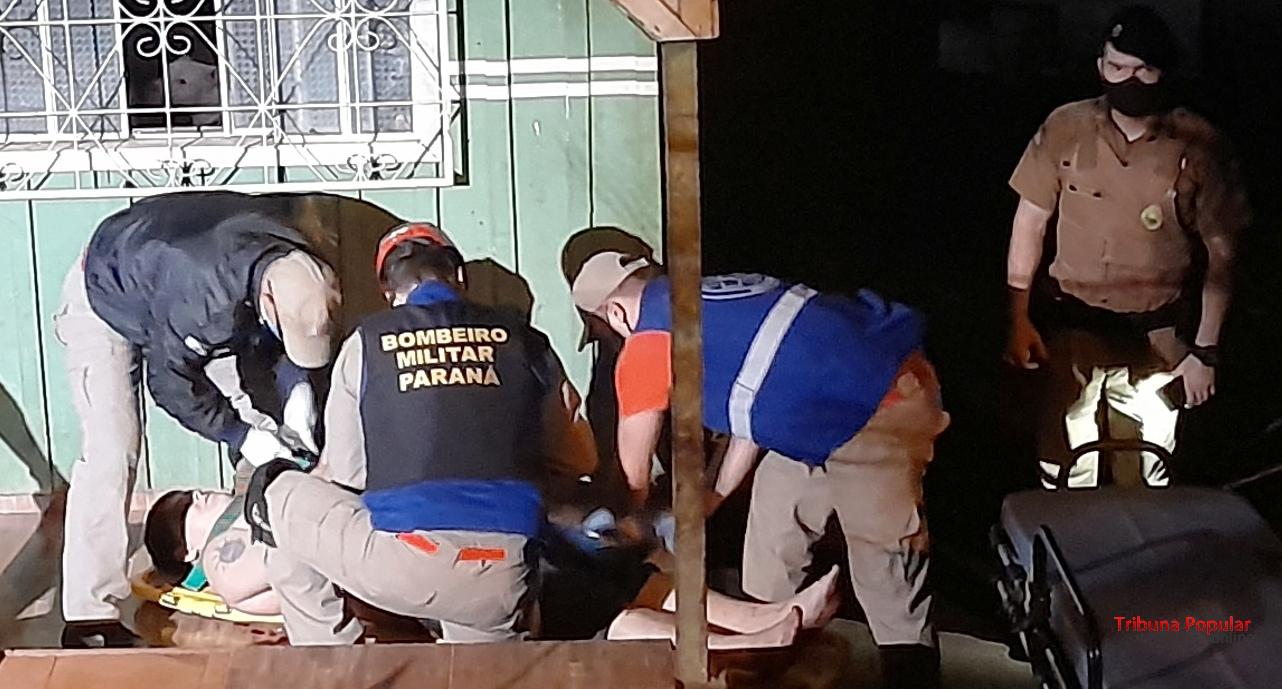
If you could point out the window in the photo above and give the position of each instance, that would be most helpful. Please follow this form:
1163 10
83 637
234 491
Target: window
132 97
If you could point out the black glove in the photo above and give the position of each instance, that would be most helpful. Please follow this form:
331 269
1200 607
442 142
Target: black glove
260 527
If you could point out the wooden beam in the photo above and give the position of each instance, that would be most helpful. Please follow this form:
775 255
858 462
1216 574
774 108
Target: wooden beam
521 665
700 16
674 20
679 78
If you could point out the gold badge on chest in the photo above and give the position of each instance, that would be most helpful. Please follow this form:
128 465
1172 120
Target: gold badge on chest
1151 217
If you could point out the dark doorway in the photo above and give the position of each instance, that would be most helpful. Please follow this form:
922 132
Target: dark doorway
858 144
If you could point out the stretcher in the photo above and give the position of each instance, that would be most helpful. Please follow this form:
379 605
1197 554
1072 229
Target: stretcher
1141 588
201 603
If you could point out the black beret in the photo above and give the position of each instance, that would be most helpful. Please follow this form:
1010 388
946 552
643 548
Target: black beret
1140 31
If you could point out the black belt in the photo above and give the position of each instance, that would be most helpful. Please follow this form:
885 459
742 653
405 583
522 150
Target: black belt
1070 312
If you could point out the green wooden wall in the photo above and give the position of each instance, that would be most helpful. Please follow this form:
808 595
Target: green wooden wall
562 133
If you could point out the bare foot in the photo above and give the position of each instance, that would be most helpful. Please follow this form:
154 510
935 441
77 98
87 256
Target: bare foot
778 635
785 632
829 612
815 600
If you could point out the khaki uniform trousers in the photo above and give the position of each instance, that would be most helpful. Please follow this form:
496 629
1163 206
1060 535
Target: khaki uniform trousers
477 585
873 484
104 371
1086 370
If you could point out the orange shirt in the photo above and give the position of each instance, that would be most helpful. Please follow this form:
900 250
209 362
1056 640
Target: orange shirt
643 373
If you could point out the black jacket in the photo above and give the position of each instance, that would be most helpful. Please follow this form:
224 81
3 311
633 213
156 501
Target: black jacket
178 276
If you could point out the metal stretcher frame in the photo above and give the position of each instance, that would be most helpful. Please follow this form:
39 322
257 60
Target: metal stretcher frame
1026 596
1046 547
1106 448
1045 653
1026 604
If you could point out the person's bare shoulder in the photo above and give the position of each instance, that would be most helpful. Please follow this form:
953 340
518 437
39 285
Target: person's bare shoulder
227 555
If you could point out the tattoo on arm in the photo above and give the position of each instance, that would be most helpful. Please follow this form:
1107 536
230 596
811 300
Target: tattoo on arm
231 551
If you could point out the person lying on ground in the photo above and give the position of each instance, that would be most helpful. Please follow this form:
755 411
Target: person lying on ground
197 537
733 624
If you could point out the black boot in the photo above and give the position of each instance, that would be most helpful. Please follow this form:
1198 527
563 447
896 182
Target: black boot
909 666
99 634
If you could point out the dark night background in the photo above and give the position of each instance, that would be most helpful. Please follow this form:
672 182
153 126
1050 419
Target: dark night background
837 151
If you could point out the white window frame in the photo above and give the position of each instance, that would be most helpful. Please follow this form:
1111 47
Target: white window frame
65 161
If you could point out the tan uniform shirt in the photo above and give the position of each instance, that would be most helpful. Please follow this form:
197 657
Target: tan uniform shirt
569 448
1130 213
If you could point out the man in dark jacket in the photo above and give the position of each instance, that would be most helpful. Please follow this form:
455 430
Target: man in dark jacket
177 281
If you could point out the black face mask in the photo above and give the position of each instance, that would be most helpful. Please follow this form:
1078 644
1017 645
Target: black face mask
1135 98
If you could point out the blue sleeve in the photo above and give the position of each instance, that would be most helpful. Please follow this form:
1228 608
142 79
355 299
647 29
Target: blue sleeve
288 376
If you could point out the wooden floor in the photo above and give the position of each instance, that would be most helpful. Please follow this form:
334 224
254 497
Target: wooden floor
213 654
529 665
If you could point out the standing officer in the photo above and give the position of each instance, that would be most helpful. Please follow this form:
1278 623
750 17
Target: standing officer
446 415
177 281
1143 192
836 390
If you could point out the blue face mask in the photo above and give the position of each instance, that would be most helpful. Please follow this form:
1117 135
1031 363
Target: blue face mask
195 579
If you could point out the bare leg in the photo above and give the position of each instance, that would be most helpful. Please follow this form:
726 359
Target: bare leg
817 602
643 624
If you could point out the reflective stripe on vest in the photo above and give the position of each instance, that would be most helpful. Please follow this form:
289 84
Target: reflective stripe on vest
761 355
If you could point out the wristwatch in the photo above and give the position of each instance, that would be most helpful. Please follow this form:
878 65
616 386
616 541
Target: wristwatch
1209 355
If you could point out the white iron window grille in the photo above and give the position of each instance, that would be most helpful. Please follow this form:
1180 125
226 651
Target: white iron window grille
102 98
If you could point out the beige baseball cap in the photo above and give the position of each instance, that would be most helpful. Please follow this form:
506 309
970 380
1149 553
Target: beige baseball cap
601 275
303 292
587 243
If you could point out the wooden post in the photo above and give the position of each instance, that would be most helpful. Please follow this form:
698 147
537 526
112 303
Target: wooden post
681 164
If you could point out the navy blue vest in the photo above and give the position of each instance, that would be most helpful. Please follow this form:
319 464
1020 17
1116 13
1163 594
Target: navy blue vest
451 407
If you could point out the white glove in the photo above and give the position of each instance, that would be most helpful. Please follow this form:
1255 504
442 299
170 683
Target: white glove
262 446
665 527
599 521
300 415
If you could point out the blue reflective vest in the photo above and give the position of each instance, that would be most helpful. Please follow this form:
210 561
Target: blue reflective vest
794 370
